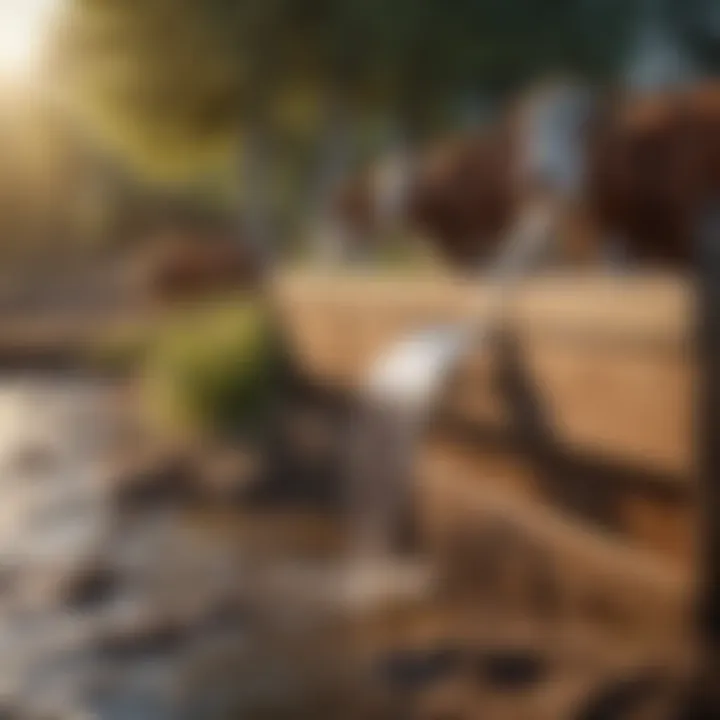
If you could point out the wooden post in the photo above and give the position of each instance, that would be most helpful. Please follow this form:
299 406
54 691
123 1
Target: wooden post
709 427
705 702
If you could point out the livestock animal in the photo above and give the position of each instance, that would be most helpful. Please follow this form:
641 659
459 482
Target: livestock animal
654 168
464 192
636 172
462 197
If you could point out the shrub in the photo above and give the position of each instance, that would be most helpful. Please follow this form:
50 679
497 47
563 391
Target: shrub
215 368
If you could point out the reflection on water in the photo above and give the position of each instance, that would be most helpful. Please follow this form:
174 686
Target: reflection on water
112 613
51 443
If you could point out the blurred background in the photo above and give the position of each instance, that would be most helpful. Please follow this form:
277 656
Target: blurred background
218 219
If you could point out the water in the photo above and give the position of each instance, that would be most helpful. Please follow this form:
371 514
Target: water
152 612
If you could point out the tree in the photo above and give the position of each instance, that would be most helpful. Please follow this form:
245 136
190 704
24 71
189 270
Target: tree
698 24
209 87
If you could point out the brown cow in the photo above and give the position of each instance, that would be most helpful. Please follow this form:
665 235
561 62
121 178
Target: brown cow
642 169
654 165
649 167
465 192
468 194
462 196
453 197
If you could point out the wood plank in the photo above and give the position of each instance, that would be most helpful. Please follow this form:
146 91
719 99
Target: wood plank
610 355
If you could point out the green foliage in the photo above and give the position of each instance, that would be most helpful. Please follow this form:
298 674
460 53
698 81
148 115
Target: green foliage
698 23
183 88
177 78
212 369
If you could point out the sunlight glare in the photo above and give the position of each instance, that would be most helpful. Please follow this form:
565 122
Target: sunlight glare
23 28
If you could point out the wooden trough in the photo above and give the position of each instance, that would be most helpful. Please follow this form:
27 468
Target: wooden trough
584 402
